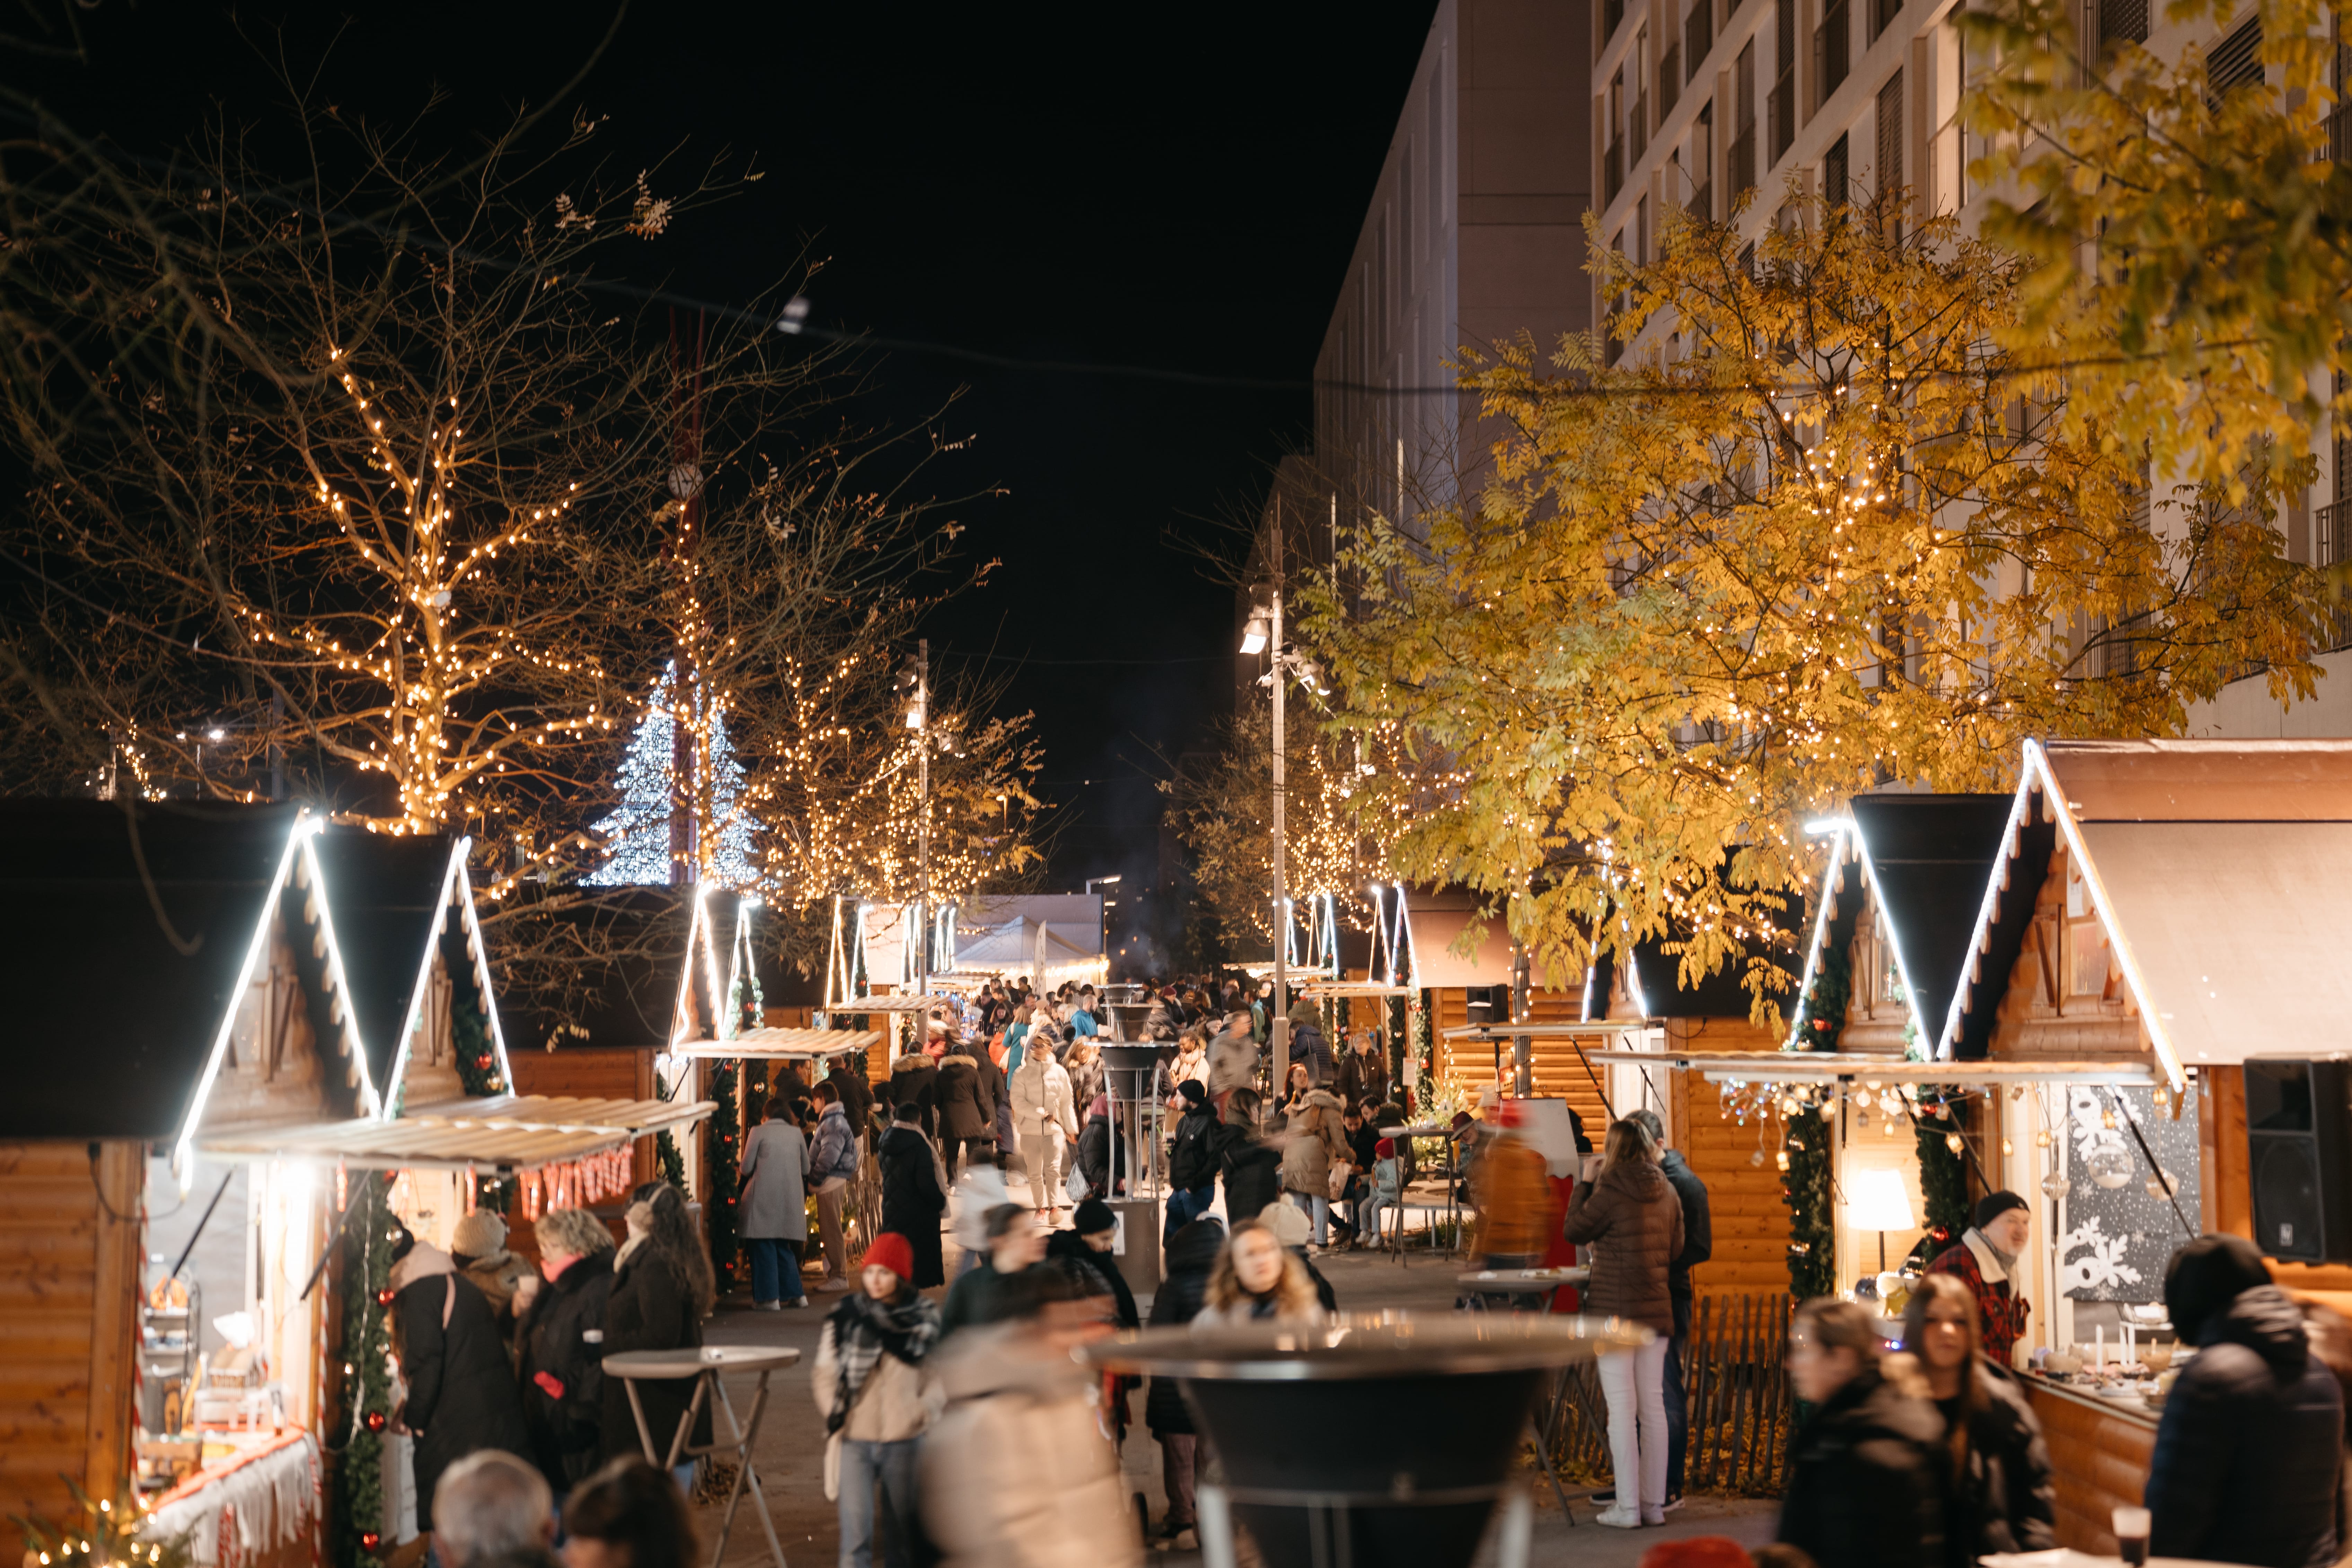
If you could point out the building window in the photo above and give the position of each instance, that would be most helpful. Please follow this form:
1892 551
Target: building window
2235 61
1890 146
1698 36
1833 51
1784 106
1836 173
1670 81
1702 202
1882 14
1613 16
1741 161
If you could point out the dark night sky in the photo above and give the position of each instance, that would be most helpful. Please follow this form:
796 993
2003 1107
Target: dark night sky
1178 189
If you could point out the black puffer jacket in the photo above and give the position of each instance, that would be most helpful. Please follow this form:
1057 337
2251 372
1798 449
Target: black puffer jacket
1252 1173
1070 1250
914 1081
912 1200
651 1308
1193 1151
966 1108
2246 1453
2003 1499
1864 1486
565 1412
1191 1256
461 1393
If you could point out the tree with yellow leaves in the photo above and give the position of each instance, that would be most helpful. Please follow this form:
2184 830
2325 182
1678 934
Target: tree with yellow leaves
1810 536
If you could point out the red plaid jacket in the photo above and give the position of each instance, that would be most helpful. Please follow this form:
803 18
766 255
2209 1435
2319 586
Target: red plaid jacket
2001 1313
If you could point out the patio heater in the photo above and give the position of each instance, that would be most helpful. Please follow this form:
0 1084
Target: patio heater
1135 1076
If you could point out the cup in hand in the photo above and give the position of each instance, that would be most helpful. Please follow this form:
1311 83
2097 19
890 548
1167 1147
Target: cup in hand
2131 1534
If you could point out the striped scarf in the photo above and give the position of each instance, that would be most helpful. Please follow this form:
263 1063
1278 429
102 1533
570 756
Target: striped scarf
863 1329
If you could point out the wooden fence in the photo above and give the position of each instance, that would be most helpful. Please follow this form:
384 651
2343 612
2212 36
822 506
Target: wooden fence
1736 1384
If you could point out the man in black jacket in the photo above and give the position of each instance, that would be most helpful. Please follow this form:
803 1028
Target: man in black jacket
912 1197
1192 1161
2250 1442
462 1396
1699 1246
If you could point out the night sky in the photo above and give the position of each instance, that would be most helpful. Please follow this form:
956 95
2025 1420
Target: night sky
1025 183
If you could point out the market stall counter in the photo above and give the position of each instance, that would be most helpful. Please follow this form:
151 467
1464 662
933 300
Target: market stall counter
255 1500
2100 1445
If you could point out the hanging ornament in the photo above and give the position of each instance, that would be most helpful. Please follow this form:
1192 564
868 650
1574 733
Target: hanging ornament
2005 1149
2110 1167
2055 1186
1952 1142
2108 1120
375 1420
370 1541
383 1297
1757 1159
1887 1126
2041 1138
1780 1159
2163 1184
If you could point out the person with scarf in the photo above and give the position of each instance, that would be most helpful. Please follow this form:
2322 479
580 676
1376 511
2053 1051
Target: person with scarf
870 1383
1257 1278
1985 1260
461 1392
662 1289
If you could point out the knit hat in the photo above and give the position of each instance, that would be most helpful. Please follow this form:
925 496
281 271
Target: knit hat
1191 1090
892 1251
1093 1217
1992 1206
1385 1149
481 1233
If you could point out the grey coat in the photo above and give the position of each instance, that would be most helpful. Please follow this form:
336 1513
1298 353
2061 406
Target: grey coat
774 1201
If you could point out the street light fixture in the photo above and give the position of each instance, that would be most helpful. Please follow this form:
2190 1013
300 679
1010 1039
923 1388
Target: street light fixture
1263 634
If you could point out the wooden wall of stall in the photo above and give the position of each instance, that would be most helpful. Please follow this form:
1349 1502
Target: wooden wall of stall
1558 1072
1749 1221
2099 1459
585 1072
69 1322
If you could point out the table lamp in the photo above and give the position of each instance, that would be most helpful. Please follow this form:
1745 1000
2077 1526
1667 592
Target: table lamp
1879 1201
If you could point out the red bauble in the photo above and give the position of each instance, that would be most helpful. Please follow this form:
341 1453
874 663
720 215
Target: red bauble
481 1062
370 1541
383 1297
375 1420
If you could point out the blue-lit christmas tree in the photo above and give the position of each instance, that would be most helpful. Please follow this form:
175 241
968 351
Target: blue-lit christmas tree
638 833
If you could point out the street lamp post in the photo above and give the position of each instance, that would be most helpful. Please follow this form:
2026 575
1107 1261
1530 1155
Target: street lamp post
917 683
1264 632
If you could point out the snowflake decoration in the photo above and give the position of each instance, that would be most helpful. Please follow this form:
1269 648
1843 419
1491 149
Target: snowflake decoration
2101 1267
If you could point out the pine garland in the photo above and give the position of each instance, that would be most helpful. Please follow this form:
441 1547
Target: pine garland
1805 1188
720 1189
469 1033
356 1523
1424 1088
1943 1172
1826 1000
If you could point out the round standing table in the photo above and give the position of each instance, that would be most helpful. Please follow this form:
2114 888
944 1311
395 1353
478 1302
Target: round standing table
705 1365
1530 1289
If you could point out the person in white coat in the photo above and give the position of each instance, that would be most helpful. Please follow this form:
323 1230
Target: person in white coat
1044 1117
772 1214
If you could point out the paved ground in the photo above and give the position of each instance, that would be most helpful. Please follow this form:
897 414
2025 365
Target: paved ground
790 1454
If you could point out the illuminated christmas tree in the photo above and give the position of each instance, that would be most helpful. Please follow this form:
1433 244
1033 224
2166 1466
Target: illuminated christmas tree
639 835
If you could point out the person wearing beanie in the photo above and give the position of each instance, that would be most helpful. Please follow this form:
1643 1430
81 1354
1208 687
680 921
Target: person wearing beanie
1192 1160
1985 1260
462 1396
477 1246
1085 1249
2248 1450
873 1391
1386 1192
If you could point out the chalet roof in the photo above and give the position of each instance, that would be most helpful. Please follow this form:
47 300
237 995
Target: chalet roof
2222 871
111 1022
503 1131
1929 856
784 1043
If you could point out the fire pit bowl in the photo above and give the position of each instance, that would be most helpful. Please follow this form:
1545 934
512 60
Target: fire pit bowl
1371 1440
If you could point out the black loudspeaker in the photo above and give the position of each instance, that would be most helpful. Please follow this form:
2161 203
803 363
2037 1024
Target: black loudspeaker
1488 1003
2299 1158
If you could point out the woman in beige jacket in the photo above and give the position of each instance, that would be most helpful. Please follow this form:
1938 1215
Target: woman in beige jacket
1317 1140
878 1397
1632 1219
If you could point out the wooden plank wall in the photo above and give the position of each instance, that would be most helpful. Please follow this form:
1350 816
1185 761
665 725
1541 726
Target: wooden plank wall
2099 1461
1750 1223
1555 1066
69 1285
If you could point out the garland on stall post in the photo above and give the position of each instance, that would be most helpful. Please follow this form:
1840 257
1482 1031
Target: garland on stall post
1424 1088
1940 1121
720 1185
469 1033
1805 1188
1826 999
356 1523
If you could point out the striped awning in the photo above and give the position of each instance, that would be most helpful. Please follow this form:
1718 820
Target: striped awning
796 1045
491 1133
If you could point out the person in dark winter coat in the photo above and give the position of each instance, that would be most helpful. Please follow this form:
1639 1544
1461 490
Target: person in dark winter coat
1095 1147
967 1112
991 1293
2248 1448
1307 1042
912 1197
560 1347
1864 1480
461 1392
1363 1075
1252 1167
1087 1245
1999 1495
662 1289
914 1081
1633 1221
1699 1246
1190 1255
1192 1160
857 1096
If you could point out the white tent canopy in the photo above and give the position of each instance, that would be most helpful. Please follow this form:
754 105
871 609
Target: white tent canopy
1022 946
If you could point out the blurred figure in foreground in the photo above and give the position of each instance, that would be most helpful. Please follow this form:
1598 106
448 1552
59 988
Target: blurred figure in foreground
1017 1474
1865 1485
629 1515
2249 1447
491 1510
990 1293
1191 1254
1258 1280
871 1383
2000 1497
